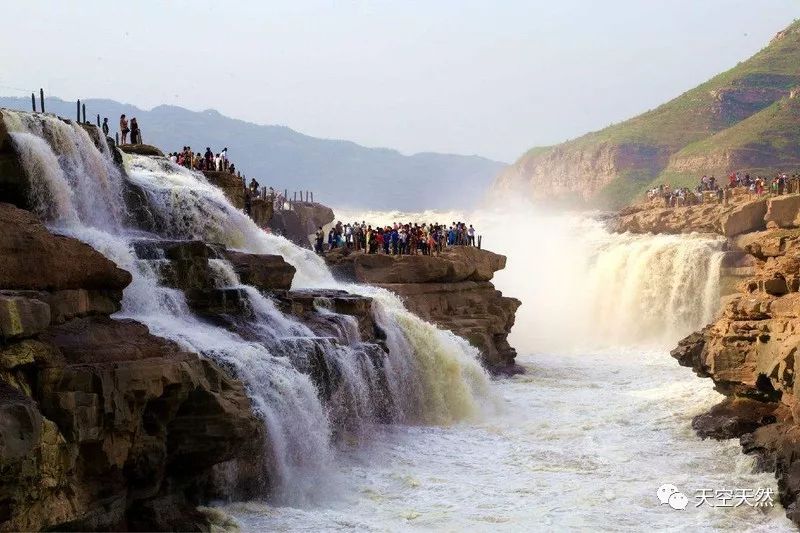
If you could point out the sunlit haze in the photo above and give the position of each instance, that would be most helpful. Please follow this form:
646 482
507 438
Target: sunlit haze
487 78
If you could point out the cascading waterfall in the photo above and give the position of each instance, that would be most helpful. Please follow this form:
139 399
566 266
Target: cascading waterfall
430 376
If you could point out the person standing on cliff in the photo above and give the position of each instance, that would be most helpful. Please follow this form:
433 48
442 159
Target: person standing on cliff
320 238
136 135
105 126
123 128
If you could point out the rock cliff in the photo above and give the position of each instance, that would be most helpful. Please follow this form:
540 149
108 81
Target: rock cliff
742 213
453 290
750 350
102 425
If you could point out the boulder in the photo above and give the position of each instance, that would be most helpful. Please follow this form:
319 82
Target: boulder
264 272
733 417
784 211
22 317
745 218
141 149
33 258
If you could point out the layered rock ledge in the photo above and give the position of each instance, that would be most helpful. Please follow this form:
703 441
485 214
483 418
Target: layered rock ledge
750 350
452 290
102 425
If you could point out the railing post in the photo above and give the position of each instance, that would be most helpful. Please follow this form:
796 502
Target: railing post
98 120
41 98
116 139
33 102
84 113
78 110
312 197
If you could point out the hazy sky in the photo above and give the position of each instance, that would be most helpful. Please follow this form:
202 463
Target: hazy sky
492 77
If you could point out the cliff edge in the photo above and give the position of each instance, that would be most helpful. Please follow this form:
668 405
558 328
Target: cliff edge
452 290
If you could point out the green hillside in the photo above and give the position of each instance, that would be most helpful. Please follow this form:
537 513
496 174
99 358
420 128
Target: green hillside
624 159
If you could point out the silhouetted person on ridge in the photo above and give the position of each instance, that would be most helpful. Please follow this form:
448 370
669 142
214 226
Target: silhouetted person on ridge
105 126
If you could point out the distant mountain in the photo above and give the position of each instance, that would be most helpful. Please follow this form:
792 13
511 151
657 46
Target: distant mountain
341 173
741 120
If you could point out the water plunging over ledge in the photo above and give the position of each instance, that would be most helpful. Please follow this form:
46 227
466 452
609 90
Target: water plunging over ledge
430 376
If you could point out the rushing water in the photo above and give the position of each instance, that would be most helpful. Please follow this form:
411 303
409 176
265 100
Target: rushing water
431 376
600 420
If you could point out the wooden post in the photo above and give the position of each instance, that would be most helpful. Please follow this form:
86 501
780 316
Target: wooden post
78 110
312 197
480 238
84 113
295 196
116 139
33 102
285 194
98 120
41 99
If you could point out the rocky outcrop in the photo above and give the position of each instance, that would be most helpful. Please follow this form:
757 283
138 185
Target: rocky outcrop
750 350
141 149
452 290
264 272
102 425
740 213
231 185
301 221
744 218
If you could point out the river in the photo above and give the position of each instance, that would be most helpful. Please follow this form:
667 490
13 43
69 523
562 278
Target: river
583 442
598 422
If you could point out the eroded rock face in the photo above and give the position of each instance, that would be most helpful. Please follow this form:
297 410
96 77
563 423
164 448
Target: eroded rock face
742 214
300 222
102 425
750 353
231 185
451 290
264 272
32 258
108 413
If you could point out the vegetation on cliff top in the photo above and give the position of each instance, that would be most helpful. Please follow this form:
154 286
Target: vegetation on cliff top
694 121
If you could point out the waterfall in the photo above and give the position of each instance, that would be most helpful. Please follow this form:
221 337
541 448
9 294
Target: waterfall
429 376
644 288
584 288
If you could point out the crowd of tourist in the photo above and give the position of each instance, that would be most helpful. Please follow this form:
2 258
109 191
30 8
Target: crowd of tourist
709 188
396 239
208 161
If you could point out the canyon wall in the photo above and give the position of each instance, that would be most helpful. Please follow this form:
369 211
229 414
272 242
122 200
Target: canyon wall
750 350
